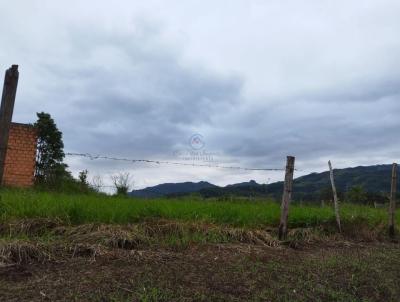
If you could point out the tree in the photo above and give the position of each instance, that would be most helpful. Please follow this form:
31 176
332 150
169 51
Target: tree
326 194
83 180
356 194
83 176
122 183
97 183
50 168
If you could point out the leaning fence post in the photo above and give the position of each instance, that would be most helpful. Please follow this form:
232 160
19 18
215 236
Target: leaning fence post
6 112
335 199
287 194
392 205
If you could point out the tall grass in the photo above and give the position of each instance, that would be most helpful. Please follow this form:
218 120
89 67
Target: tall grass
76 209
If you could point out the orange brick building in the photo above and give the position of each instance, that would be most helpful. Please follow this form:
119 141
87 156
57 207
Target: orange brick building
20 157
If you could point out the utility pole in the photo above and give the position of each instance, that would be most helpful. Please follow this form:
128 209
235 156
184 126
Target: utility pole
6 112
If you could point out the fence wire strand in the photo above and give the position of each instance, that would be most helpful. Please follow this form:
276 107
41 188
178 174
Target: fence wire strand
161 162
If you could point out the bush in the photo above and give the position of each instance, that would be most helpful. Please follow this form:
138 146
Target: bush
356 194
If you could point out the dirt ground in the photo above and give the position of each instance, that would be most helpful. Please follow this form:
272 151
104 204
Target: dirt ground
211 272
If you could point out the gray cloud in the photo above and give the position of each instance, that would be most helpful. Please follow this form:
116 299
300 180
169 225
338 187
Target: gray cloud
142 105
308 79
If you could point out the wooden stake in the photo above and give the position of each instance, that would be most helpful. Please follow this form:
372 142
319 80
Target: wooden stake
392 205
287 195
335 199
6 112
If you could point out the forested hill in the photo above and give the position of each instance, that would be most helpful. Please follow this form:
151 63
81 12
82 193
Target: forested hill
316 186
167 189
372 179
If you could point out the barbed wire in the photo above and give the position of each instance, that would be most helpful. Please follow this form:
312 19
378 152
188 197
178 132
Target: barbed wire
161 162
102 186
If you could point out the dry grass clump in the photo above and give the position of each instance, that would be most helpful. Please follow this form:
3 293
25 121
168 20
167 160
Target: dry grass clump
209 232
162 228
360 231
29 226
21 252
62 241
259 237
328 235
306 235
85 250
134 236
115 236
129 238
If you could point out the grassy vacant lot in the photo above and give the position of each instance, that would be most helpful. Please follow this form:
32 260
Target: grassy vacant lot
76 209
56 247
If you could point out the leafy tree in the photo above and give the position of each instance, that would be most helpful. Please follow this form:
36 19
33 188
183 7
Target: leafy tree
50 168
356 194
50 171
83 176
376 198
326 194
83 180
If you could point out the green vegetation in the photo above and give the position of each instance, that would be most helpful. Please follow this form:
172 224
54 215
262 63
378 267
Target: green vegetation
364 185
113 248
87 208
50 171
50 168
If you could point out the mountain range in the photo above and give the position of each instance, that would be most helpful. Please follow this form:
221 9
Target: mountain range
315 186
167 189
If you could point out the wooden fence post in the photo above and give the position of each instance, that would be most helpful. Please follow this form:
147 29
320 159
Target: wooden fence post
287 194
335 199
392 205
6 112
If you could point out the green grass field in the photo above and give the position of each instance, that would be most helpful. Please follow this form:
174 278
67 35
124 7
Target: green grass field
78 209
77 247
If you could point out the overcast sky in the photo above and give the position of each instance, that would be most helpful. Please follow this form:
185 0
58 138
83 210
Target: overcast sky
257 80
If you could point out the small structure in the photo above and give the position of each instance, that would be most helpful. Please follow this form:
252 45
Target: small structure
18 142
20 160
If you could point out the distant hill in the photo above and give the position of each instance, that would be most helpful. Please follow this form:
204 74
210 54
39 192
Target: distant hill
316 186
251 183
171 188
373 179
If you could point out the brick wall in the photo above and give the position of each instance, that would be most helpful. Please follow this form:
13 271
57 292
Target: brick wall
20 158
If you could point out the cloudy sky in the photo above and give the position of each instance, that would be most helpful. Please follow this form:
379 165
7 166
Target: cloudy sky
257 80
